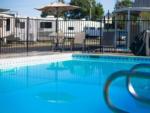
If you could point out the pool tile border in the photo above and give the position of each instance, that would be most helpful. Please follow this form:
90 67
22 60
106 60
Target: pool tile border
112 57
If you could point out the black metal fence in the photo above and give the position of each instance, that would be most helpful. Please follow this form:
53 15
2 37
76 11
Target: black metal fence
30 35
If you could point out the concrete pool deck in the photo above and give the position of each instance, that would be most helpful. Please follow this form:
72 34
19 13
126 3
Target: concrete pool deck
37 53
9 63
34 58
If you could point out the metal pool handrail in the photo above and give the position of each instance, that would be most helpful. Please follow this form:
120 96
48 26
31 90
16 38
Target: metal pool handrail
131 90
113 77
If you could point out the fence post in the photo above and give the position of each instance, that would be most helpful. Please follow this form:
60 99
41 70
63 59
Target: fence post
27 35
129 28
1 33
101 34
0 43
116 30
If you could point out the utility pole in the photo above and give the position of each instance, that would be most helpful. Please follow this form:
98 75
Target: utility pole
90 9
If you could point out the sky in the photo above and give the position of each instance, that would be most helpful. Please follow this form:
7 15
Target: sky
26 7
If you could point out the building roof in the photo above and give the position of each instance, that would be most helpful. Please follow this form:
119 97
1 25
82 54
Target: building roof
4 10
133 9
137 6
5 15
141 3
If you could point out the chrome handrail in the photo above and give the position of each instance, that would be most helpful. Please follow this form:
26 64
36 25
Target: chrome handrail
116 75
131 90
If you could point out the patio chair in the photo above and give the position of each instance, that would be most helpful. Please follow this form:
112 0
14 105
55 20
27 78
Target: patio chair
11 39
58 40
79 40
108 40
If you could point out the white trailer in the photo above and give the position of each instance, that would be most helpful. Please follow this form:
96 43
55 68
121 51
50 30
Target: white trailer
21 24
71 27
46 27
6 26
39 29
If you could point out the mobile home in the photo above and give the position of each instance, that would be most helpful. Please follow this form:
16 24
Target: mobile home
39 29
6 26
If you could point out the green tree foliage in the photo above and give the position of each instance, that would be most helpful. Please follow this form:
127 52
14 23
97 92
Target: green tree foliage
98 11
123 3
44 14
86 6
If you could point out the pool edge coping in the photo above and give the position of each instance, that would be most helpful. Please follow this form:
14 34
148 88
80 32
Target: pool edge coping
9 63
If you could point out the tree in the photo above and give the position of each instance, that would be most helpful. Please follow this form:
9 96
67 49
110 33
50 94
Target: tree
87 8
44 14
98 11
123 3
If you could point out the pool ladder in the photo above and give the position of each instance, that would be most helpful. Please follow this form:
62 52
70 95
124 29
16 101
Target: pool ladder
128 74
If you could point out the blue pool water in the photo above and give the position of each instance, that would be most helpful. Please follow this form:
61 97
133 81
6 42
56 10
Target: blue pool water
73 86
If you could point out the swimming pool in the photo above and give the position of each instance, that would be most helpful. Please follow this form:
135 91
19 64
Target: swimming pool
71 85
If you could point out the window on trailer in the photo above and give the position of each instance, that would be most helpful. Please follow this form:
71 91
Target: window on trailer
7 24
99 28
46 25
92 28
17 22
86 28
22 25
71 28
1 23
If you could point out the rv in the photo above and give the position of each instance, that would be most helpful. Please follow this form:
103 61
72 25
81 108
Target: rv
6 26
21 30
39 29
